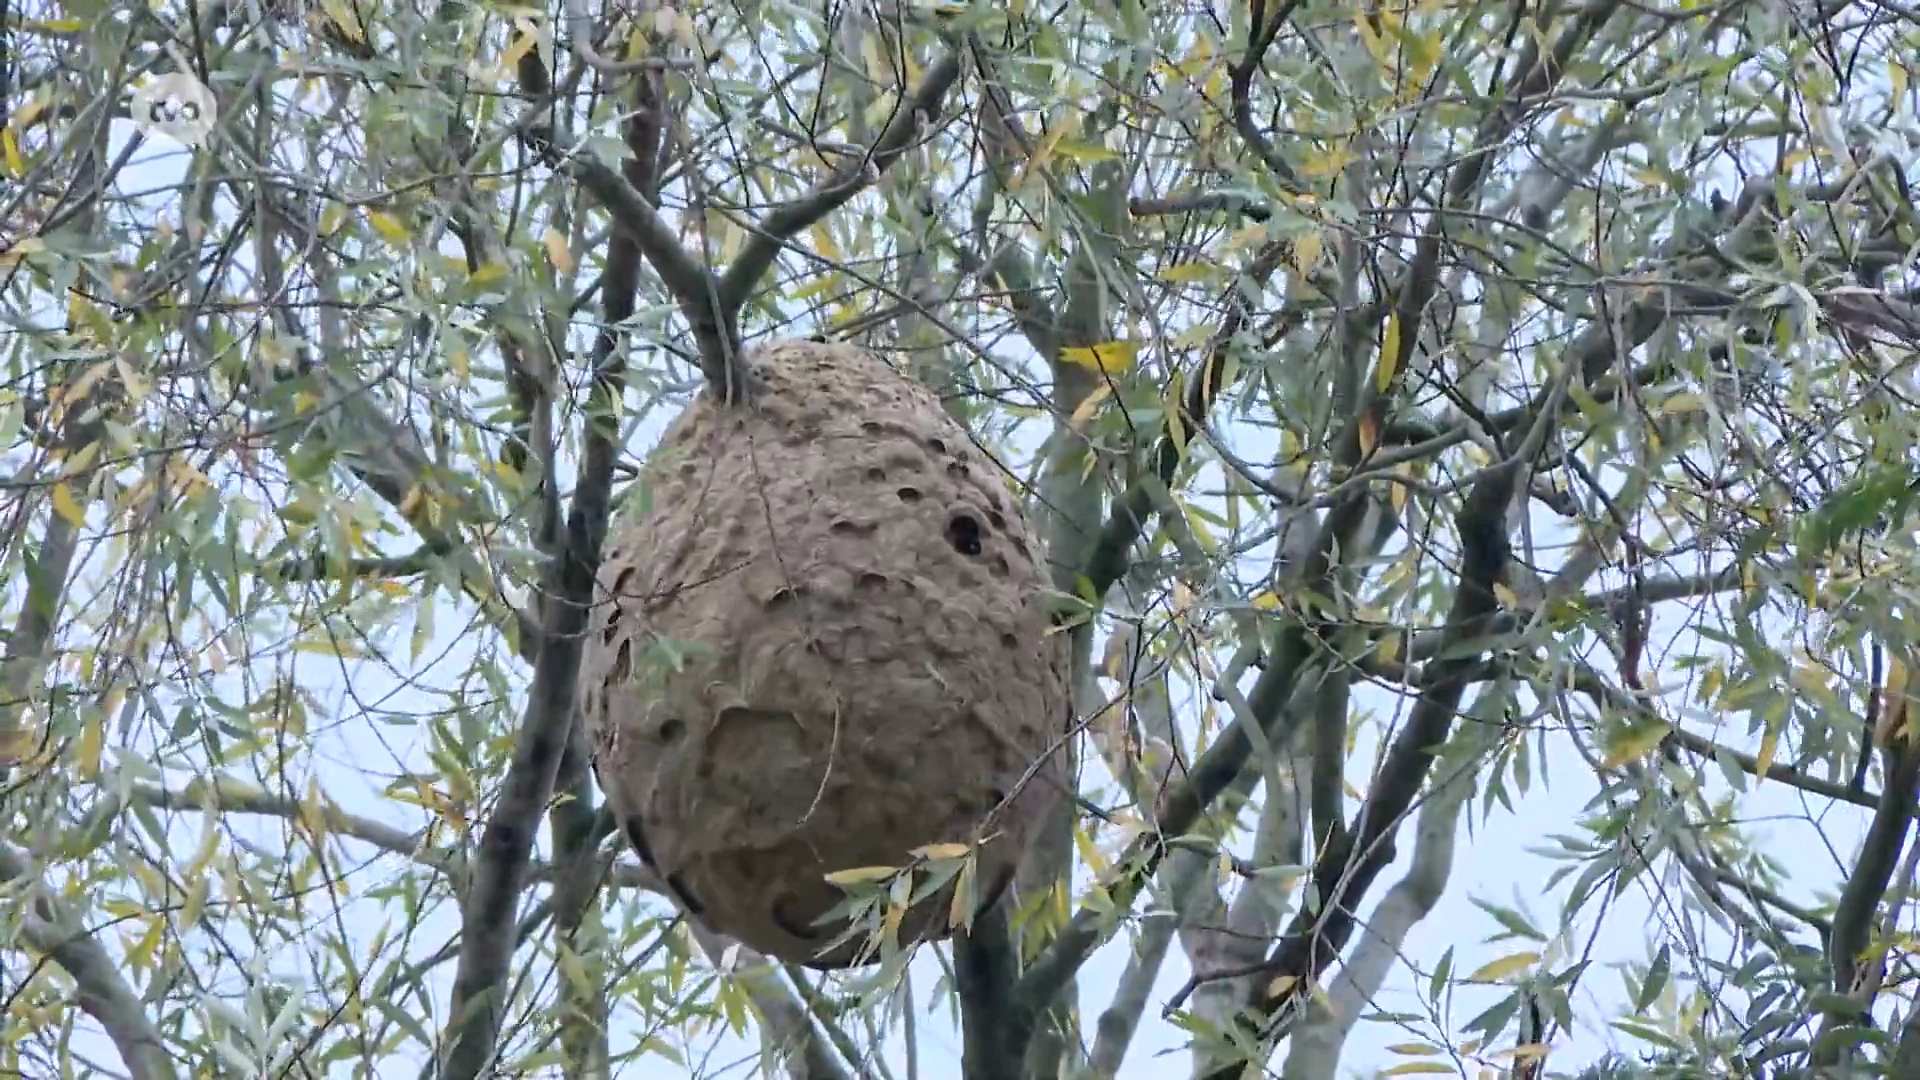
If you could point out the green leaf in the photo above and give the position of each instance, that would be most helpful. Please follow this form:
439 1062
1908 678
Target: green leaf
1442 972
1655 982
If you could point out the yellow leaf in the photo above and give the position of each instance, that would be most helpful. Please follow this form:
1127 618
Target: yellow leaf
196 902
1897 80
1414 1049
1389 355
960 910
313 812
1187 272
1427 1068
1173 407
1389 648
557 252
1688 402
1090 853
28 113
1633 744
344 18
860 874
16 164
67 506
1369 433
1281 985
1110 357
141 953
824 244
1306 252
935 852
1083 413
1769 746
411 502
1495 970
89 749
1266 601
389 227
525 37
818 285
1084 152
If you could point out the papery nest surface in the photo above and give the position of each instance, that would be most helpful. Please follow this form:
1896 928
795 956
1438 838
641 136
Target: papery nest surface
822 644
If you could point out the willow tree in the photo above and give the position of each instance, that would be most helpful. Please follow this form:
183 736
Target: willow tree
1425 405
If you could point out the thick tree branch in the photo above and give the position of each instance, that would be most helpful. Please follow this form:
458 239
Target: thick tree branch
486 946
1315 1048
29 648
1857 913
910 123
103 991
583 1005
1262 28
1345 869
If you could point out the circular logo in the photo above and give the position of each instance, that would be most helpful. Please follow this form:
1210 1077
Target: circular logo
176 105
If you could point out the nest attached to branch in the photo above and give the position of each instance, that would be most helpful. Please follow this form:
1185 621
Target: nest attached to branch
823 645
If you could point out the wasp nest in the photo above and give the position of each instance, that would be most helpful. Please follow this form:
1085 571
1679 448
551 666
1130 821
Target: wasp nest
822 645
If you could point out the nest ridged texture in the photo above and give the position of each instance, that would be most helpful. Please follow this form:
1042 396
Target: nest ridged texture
822 645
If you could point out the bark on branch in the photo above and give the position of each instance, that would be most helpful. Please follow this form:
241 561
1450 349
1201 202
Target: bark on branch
1346 868
103 991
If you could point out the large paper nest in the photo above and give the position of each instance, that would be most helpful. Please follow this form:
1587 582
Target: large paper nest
821 645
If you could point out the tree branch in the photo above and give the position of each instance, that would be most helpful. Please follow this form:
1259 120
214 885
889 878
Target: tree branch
771 236
1261 30
637 221
1857 912
486 946
571 819
30 646
1345 869
1136 507
1704 747
103 991
222 795
1315 1049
